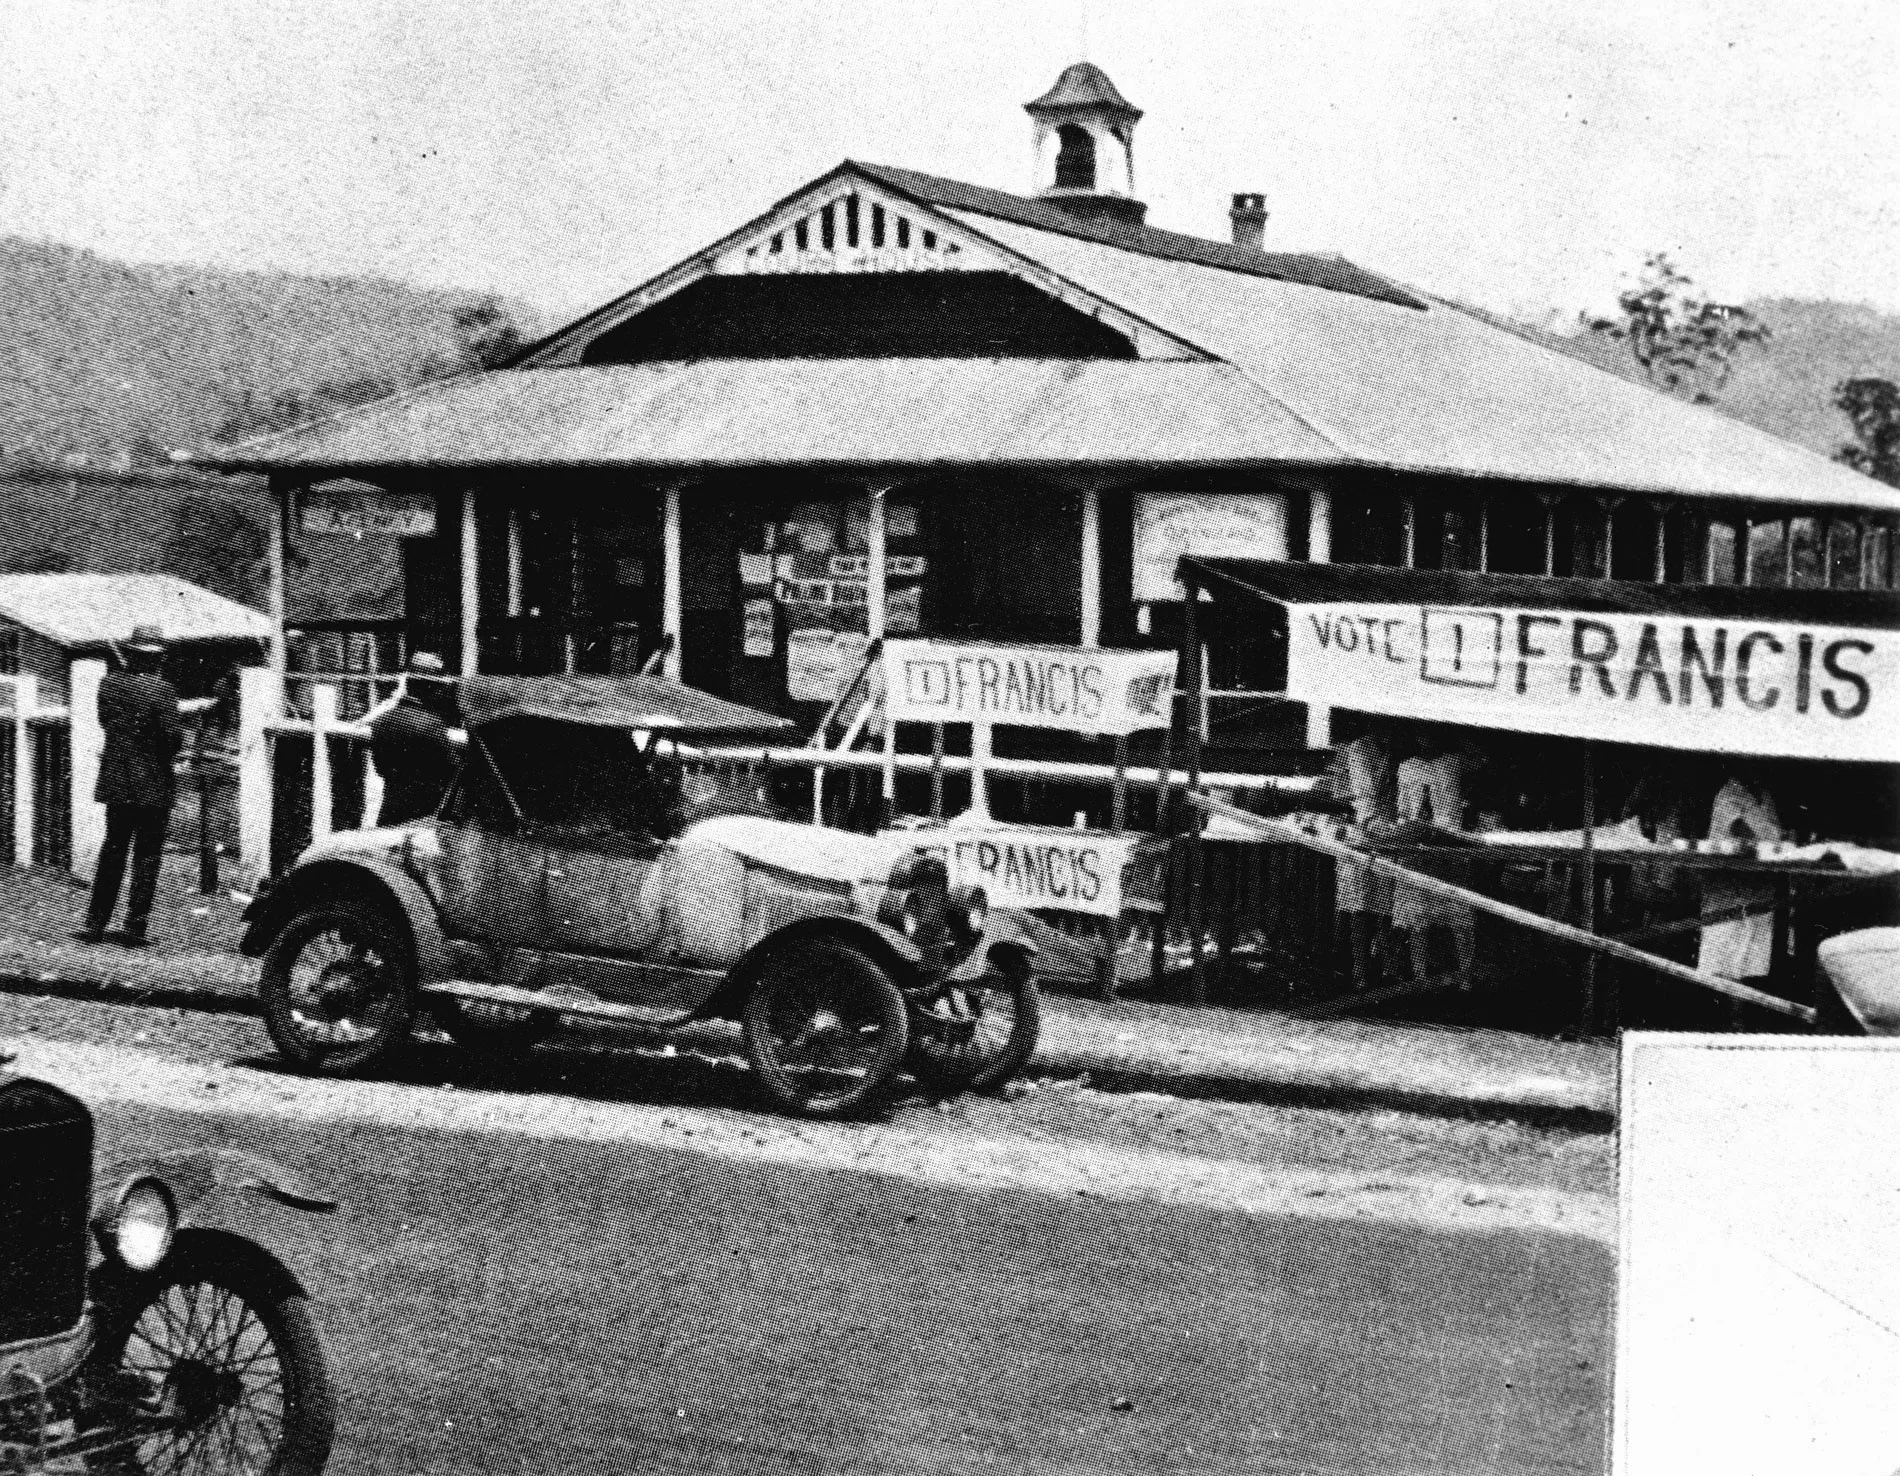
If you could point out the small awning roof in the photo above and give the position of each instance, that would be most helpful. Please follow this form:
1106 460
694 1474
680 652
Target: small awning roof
1302 584
90 610
635 702
1791 673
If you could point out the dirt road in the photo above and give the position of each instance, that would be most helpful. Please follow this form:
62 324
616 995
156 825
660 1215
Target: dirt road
608 1264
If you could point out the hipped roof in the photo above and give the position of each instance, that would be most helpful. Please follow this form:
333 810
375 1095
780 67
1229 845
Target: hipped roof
1307 359
834 412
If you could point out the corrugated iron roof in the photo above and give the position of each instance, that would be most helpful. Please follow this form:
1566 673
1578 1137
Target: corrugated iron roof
1333 273
93 609
1083 85
1441 391
841 412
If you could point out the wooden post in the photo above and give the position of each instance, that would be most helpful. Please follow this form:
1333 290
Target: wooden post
936 771
471 593
26 701
322 785
1588 1024
278 535
1191 639
1164 826
1550 534
1319 550
514 563
877 566
1091 612
260 703
207 841
981 751
1484 535
86 745
1409 549
888 788
673 609
1659 563
1117 822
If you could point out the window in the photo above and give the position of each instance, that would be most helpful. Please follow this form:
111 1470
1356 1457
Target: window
1075 161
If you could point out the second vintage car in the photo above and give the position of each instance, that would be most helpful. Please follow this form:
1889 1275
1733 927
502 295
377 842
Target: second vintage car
576 868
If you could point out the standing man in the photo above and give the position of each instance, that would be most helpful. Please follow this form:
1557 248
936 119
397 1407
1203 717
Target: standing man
409 743
138 711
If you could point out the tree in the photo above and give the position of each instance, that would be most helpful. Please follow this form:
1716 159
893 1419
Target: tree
1685 343
487 334
1872 407
217 544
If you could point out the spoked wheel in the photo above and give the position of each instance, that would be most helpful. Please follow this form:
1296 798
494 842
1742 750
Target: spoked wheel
974 1037
225 1369
493 1031
825 1028
338 990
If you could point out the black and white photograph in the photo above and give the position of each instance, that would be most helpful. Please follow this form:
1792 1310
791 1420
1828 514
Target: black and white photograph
1078 739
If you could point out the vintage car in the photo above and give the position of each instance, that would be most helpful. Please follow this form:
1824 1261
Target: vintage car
582 864
135 1335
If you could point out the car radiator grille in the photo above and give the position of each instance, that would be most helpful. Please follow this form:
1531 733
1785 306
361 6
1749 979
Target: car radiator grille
45 1190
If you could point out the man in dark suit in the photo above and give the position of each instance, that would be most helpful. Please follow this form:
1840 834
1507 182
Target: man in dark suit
409 744
138 710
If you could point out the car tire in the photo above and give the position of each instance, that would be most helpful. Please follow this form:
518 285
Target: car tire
956 1045
825 1028
230 1335
493 1032
371 960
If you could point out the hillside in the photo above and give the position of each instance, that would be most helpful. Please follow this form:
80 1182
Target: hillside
1787 387
98 357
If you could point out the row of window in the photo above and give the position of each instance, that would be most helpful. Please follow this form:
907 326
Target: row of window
1604 538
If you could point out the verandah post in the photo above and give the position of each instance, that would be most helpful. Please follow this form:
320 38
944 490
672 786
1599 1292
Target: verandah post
322 785
26 701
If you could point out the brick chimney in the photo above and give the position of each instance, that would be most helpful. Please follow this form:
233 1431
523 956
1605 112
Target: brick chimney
1249 216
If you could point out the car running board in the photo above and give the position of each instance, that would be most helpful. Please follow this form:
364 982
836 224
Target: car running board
566 1001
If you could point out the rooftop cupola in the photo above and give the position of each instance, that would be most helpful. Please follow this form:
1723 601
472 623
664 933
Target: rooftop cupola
1085 147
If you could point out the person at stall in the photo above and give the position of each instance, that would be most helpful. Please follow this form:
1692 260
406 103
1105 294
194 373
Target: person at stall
1740 948
1659 805
1430 787
1361 776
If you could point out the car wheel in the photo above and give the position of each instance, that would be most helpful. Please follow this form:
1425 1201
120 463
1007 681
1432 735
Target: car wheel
338 988
226 1357
974 1037
494 1031
825 1028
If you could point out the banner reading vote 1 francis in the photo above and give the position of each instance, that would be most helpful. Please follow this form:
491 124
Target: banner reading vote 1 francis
1695 682
1077 689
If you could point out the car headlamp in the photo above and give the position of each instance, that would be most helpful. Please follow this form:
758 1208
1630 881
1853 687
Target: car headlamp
143 1224
969 910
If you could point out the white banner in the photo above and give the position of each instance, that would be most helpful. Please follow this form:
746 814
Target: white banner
1732 686
1017 866
1073 688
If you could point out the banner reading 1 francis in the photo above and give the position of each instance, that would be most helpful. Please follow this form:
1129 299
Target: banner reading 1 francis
1733 686
1079 689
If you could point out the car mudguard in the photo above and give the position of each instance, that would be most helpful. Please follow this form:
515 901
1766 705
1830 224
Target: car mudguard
900 957
117 1288
340 877
200 1177
1004 945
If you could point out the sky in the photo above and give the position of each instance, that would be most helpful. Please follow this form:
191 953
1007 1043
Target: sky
1524 155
